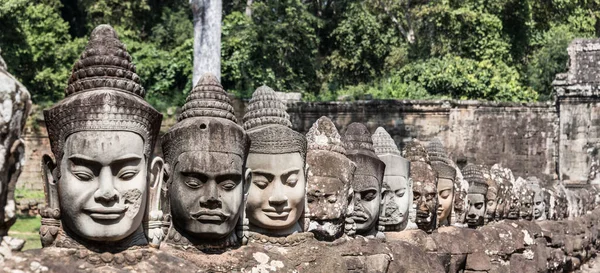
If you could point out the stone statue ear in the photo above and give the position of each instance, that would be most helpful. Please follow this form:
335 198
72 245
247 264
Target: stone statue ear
157 175
48 176
153 223
247 180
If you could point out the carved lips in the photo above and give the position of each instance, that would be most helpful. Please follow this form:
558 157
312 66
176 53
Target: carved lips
105 213
360 217
210 216
276 213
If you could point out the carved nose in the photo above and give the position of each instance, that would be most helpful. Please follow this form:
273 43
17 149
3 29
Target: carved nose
278 200
106 192
210 203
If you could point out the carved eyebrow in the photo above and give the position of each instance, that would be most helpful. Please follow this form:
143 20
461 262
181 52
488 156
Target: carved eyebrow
133 158
290 171
79 159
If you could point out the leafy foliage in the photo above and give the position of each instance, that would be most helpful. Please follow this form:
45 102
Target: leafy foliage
463 49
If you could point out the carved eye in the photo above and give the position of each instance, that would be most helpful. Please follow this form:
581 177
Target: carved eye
369 195
83 176
228 185
193 183
310 198
400 193
431 196
128 174
332 199
490 203
444 194
292 180
260 183
416 196
479 205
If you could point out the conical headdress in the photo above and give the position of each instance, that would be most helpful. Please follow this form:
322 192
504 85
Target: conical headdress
323 135
440 161
359 147
103 94
206 124
386 149
474 176
415 152
208 99
383 143
269 125
265 108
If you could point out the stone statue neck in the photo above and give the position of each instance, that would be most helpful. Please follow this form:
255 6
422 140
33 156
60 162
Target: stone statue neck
296 228
184 241
68 239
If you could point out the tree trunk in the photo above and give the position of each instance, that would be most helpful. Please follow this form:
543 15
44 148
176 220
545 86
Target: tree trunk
207 37
249 8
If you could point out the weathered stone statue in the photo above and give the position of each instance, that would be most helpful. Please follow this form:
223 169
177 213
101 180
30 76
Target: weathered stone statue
477 195
539 205
205 155
277 188
329 177
102 136
492 195
425 201
397 186
525 196
446 176
367 181
502 185
16 105
461 202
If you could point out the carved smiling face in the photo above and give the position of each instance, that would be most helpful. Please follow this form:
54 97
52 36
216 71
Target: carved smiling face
206 193
103 187
277 190
445 189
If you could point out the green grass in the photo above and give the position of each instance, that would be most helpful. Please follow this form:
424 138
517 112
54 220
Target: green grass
27 228
29 194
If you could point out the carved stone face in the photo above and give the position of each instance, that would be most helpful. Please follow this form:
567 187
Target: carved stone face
476 210
445 189
367 201
539 206
206 193
514 207
103 187
425 199
491 206
459 206
396 199
526 205
277 190
327 194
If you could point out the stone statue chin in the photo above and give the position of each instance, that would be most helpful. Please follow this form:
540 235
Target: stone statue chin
276 194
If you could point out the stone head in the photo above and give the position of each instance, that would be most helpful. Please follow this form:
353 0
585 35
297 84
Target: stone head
446 177
277 156
492 195
397 187
205 153
461 202
102 136
477 195
539 204
502 186
550 201
525 196
328 181
424 178
561 207
368 178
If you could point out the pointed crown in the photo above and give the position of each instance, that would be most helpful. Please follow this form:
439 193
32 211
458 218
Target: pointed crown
359 147
208 99
269 126
103 93
323 135
383 143
474 176
207 124
265 108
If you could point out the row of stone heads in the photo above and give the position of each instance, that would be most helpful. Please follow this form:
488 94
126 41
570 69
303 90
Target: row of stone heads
221 184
